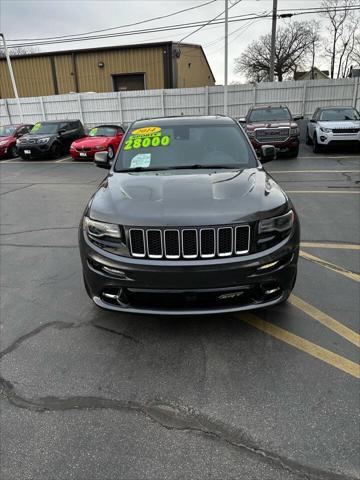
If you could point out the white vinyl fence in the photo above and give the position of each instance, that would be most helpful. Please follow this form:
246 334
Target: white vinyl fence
302 97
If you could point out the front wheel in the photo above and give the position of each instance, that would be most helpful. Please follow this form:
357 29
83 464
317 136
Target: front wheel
13 152
316 147
110 152
294 153
55 150
308 140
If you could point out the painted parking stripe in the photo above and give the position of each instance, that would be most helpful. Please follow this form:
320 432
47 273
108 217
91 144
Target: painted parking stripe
314 171
329 157
302 344
325 320
63 160
330 192
340 246
331 266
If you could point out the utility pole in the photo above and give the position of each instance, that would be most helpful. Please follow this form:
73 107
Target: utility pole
273 41
226 57
12 77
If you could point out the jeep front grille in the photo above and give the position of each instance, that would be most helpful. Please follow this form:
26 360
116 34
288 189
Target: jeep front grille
189 243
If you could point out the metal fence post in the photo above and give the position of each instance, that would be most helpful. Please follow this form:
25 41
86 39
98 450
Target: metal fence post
7 111
207 100
120 109
304 99
42 108
80 109
356 87
254 93
162 99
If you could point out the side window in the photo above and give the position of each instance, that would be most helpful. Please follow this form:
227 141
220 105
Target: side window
22 130
74 126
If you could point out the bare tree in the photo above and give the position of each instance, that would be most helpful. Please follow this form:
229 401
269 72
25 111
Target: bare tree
293 44
355 54
16 51
342 26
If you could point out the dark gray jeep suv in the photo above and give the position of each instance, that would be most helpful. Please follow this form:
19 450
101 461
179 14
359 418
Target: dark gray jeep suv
188 222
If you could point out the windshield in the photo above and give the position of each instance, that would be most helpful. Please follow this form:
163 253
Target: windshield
102 132
47 128
339 114
269 114
7 130
184 146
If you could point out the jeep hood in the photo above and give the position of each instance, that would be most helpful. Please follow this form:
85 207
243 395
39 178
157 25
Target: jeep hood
184 198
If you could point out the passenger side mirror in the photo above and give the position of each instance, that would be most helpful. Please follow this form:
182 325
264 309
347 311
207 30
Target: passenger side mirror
268 153
62 131
101 160
242 120
298 117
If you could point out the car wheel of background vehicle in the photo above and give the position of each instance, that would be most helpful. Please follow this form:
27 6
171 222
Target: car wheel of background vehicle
110 152
294 153
308 140
316 147
13 152
55 150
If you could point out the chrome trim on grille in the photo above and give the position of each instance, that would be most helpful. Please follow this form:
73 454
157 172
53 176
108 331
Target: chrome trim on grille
229 253
182 242
239 252
207 255
139 255
172 257
147 243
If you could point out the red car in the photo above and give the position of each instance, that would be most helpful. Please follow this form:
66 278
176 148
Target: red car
8 136
101 138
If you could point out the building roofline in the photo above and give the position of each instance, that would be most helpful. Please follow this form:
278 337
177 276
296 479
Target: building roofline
102 49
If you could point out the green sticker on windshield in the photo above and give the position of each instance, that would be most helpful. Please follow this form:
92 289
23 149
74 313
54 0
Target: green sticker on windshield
93 132
134 142
36 127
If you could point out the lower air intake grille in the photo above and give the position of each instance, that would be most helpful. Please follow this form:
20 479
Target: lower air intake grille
189 243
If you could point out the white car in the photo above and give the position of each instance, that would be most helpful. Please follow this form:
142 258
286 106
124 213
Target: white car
333 126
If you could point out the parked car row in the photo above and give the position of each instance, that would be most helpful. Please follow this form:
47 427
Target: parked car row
264 125
55 138
274 125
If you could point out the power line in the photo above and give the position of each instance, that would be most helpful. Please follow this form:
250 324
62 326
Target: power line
114 28
218 21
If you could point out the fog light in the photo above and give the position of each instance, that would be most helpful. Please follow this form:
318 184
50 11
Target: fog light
268 265
115 271
322 138
272 290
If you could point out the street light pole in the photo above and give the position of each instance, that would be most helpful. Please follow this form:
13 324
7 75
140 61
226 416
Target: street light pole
226 57
12 77
273 41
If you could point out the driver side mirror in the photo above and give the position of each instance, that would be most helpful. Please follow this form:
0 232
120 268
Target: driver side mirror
62 131
268 153
242 120
312 120
101 160
298 117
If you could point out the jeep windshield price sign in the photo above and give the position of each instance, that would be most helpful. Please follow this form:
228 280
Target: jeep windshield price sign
147 137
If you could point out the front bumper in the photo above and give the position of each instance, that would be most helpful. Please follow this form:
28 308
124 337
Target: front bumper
37 150
189 287
90 154
289 145
330 138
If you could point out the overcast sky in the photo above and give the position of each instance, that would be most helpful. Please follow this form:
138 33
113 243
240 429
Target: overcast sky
42 18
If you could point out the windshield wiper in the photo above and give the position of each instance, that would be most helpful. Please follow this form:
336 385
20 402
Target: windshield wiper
179 167
140 169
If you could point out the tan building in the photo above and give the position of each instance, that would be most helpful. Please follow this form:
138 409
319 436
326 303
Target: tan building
129 67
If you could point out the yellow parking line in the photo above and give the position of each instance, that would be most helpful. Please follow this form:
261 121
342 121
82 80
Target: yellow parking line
326 320
323 191
341 246
330 266
306 346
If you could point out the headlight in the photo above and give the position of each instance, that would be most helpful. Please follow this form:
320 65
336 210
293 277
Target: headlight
325 130
277 224
101 229
294 131
43 140
3 142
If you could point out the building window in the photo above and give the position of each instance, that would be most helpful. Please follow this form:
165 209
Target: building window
128 81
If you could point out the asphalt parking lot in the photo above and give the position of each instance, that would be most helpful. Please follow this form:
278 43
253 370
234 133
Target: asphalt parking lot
89 394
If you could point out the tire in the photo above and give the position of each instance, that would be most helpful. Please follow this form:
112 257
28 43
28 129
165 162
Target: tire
294 153
26 158
13 152
55 150
308 140
316 147
110 152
